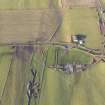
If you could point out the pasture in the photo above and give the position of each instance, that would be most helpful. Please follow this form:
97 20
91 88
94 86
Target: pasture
23 4
67 56
77 3
27 25
16 78
5 60
58 88
81 21
55 87
37 21
28 4
103 1
84 88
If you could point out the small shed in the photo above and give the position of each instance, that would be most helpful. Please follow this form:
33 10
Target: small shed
79 39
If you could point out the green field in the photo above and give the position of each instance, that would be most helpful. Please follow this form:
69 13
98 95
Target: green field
76 55
85 88
23 4
74 21
103 1
27 4
5 61
65 56
57 88
81 21
14 81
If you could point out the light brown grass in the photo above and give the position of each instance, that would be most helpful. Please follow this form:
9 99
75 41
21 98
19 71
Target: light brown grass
27 25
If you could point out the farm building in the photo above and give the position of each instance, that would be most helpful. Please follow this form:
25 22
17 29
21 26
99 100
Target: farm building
79 39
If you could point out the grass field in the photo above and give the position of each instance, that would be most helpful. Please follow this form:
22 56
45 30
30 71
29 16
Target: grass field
51 56
66 56
103 1
59 94
28 4
58 88
85 88
23 4
5 61
78 3
16 80
81 21
75 55
74 21
38 60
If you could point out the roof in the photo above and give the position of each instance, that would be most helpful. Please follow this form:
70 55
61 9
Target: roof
78 38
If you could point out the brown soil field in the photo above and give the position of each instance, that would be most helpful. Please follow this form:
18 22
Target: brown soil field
70 3
27 25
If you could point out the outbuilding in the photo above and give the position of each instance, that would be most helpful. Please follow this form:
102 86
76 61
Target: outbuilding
79 39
